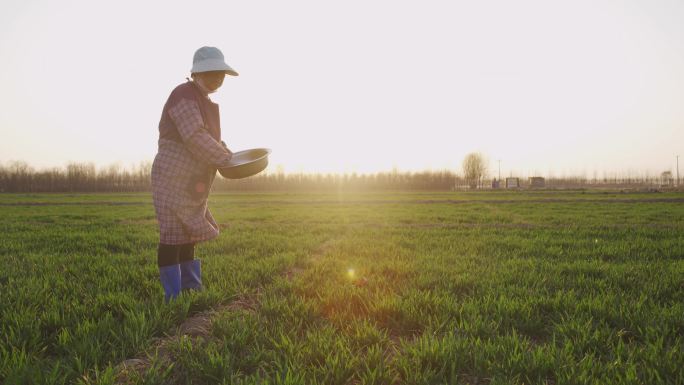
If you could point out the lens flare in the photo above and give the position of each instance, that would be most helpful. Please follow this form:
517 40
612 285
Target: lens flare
351 273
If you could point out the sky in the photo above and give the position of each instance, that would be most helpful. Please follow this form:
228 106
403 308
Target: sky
546 87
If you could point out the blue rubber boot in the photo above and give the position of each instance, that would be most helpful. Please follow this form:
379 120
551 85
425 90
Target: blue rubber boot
191 275
170 277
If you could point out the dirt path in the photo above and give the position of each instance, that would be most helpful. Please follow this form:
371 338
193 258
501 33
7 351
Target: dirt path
197 327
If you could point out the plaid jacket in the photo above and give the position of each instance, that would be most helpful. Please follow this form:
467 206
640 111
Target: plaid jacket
190 151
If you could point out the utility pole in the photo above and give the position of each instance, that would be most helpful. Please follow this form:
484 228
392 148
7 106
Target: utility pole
499 160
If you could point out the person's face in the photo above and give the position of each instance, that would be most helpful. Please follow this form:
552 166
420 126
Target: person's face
212 79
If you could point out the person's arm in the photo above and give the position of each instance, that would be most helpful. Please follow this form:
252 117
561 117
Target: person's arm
188 119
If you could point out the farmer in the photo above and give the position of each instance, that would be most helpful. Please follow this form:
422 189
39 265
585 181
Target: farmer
190 151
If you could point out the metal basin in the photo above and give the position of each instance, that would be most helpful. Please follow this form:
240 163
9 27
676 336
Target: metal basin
246 163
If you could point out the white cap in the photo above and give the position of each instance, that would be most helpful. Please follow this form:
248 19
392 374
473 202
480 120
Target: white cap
210 59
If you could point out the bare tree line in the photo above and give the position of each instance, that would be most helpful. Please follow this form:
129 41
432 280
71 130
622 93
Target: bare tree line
19 177
381 181
75 177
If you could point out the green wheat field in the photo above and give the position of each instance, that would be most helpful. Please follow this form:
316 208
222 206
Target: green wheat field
387 288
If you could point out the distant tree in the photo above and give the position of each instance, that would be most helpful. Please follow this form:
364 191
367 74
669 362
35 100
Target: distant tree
474 169
21 175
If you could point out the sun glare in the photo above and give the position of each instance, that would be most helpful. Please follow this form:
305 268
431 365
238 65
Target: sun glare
351 274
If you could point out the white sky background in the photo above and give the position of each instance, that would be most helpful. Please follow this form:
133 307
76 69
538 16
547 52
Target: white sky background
548 87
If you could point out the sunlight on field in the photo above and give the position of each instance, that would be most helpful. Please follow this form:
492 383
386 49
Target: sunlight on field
430 288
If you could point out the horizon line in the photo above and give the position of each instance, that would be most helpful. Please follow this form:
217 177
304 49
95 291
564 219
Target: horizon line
281 169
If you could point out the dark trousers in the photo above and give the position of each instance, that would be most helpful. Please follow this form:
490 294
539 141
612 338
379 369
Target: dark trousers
168 255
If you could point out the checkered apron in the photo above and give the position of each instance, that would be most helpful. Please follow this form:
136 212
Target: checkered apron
185 166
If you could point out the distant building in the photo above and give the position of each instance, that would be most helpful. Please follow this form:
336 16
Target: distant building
537 182
496 183
666 178
512 182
